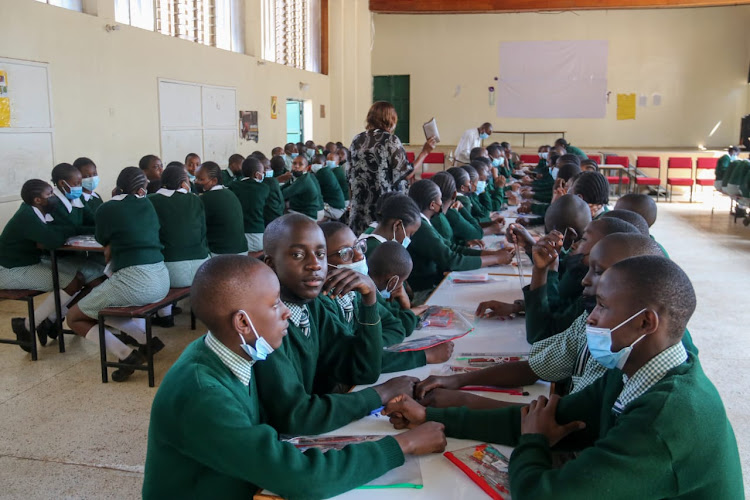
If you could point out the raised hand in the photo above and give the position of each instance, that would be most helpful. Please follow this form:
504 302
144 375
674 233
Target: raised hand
544 255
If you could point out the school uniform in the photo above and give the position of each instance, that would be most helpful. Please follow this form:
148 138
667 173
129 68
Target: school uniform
572 150
333 198
318 346
475 206
340 174
321 204
206 438
432 258
303 195
274 207
732 177
182 231
92 201
443 227
542 188
227 177
130 226
373 240
225 229
463 230
662 433
253 196
72 213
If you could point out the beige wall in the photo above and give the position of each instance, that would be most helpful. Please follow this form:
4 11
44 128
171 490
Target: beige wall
696 58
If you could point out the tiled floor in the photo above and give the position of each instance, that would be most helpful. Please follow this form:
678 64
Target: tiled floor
67 435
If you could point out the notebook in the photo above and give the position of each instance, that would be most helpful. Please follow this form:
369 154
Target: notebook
431 130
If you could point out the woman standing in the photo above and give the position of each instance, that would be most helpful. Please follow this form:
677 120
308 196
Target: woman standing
378 164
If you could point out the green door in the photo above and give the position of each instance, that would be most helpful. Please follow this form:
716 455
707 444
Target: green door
293 121
394 89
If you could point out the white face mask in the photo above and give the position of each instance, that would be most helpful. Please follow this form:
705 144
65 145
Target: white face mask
360 266
262 348
315 167
543 155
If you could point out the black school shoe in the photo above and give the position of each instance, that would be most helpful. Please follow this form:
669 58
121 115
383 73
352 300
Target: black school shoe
135 358
163 322
156 346
22 333
46 329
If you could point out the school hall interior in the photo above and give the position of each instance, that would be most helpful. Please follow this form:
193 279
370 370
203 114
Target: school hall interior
114 80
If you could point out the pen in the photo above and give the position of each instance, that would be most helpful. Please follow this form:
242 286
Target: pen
486 388
376 411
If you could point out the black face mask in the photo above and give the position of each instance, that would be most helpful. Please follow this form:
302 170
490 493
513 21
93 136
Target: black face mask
589 303
575 260
198 188
52 202
297 173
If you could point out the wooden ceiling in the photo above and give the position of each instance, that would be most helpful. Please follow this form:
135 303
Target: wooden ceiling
490 6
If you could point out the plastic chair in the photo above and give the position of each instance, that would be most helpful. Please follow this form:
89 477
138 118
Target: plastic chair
530 159
651 162
597 157
680 163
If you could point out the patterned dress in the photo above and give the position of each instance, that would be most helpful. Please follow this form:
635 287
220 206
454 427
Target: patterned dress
378 165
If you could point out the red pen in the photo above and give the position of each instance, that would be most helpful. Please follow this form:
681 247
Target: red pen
488 388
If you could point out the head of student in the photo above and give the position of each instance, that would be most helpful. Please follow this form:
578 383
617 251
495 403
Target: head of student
645 304
426 194
310 144
132 180
485 130
593 188
628 216
543 151
567 171
37 193
277 151
567 211
473 177
561 143
398 217
238 299
295 248
641 204
278 166
67 179
482 174
151 166
331 147
290 149
343 247
332 160
301 148
235 163
344 155
89 175
300 166
381 116
496 155
598 229
192 162
175 178
252 168
208 176
447 186
390 266
321 159
478 152
589 165
733 152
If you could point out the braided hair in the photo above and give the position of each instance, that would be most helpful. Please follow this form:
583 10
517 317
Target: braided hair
212 169
424 192
447 185
397 206
173 177
131 180
33 188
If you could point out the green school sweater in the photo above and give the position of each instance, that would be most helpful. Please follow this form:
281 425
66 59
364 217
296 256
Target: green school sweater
330 189
443 228
93 203
745 185
372 242
227 177
207 439
496 193
543 188
721 166
572 150
674 441
287 378
303 195
408 319
252 196
182 223
321 206
463 230
340 175
478 210
432 258
733 175
274 203
23 232
81 219
225 228
131 227
465 212
542 321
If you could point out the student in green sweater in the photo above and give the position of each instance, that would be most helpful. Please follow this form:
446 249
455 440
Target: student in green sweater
89 183
566 170
660 431
151 166
225 229
23 265
192 162
734 175
455 228
253 195
593 188
432 255
319 348
570 149
333 199
71 211
464 186
275 202
722 165
128 228
303 193
233 171
398 218
207 437
339 171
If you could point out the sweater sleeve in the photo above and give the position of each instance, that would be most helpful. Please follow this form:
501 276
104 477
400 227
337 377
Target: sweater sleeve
463 230
541 320
408 319
401 361
393 329
47 235
227 436
446 258
293 188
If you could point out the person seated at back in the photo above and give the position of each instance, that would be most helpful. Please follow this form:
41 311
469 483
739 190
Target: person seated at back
589 165
630 217
339 171
225 228
398 218
290 153
279 169
540 186
543 153
274 207
733 176
657 418
89 183
473 199
71 210
432 255
484 170
182 233
192 162
570 149
253 195
334 203
593 188
206 415
303 193
722 164
464 185
277 151
565 171
465 235
152 167
233 171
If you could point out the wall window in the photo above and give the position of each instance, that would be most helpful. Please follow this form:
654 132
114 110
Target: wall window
292 33
76 5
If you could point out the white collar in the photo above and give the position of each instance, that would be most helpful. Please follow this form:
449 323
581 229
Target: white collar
45 218
169 192
425 218
216 187
119 197
92 194
364 236
66 202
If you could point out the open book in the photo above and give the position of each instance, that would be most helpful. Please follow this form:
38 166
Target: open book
431 130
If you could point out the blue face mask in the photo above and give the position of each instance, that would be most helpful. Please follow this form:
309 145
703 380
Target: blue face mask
191 177
484 136
543 155
262 348
75 192
330 164
269 174
481 186
90 183
386 294
599 342
497 162
294 155
360 267
553 172
405 243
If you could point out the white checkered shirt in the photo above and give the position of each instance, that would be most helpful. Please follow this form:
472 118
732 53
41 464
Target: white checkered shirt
346 303
241 367
300 316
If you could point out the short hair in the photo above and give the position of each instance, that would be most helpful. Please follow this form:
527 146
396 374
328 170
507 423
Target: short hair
388 259
567 211
460 175
131 180
250 166
473 174
319 159
258 154
63 171
593 188
569 158
552 158
33 188
629 216
493 149
212 169
568 171
486 162
641 204
332 227
475 153
82 162
424 192
478 166
733 149
562 142
281 227
236 158
591 163
446 183
173 177
611 225
382 115
653 281
278 165
505 144
191 155
176 164
277 148
393 205
145 161
632 244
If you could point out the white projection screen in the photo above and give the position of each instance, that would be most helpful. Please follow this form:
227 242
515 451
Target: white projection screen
553 79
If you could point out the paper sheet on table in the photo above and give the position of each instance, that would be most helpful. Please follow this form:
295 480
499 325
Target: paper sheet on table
83 240
431 130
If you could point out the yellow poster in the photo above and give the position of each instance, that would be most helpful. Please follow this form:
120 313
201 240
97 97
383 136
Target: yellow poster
274 107
4 100
626 106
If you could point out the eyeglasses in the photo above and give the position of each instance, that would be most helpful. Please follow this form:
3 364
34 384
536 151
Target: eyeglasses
347 253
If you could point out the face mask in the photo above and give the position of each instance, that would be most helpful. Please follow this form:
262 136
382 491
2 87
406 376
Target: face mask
543 155
258 180
316 167
481 186
262 348
90 183
309 155
294 155
297 173
75 192
386 294
483 135
553 172
360 267
191 177
498 162
52 202
407 240
599 341
330 164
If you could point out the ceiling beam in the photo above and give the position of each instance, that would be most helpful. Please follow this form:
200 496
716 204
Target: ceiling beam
491 6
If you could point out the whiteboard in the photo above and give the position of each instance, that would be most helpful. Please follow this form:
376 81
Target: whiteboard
219 145
176 144
219 107
180 105
24 156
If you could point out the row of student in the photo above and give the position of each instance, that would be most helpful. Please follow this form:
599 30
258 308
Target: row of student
280 345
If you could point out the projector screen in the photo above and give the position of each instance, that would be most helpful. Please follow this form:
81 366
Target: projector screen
553 79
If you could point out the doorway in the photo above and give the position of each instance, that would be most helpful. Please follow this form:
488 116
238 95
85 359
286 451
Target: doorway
394 89
295 120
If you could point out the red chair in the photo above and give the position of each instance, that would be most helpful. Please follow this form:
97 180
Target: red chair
597 157
428 175
680 163
652 162
705 164
622 161
435 158
410 156
530 159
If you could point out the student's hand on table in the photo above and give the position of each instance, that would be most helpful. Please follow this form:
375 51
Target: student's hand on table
512 198
452 382
404 412
496 217
475 243
527 195
494 228
539 418
342 281
439 353
426 438
396 386
544 255
504 256
419 310
524 208
496 309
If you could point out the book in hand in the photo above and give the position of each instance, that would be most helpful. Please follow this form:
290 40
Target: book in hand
431 130
486 466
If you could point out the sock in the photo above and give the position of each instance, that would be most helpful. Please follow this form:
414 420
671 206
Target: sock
165 311
47 309
112 343
136 328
